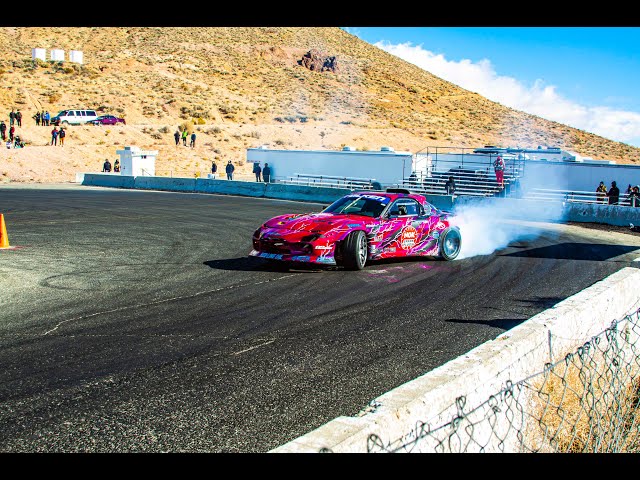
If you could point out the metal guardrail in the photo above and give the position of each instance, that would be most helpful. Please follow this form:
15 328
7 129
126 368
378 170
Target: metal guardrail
328 181
575 196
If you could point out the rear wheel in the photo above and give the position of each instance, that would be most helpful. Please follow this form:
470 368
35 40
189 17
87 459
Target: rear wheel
354 251
450 243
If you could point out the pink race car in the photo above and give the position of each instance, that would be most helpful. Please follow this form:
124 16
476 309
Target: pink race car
358 227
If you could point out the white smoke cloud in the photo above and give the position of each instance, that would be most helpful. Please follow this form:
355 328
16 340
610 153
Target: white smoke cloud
492 225
539 99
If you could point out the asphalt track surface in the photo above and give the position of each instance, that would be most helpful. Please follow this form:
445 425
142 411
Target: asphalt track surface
134 321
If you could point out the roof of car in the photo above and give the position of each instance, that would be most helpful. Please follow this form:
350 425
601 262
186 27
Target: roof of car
391 195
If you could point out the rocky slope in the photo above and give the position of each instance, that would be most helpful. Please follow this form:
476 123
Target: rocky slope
237 87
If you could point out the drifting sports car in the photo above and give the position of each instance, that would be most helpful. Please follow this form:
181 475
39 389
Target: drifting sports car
358 227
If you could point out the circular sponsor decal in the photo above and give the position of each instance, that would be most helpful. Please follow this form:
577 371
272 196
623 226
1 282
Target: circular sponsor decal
408 237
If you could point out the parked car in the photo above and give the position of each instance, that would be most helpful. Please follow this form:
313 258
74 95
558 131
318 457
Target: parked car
108 120
359 227
73 117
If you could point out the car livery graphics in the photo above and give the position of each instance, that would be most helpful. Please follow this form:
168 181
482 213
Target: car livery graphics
358 227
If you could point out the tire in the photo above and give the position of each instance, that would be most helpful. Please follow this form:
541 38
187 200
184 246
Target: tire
355 251
65 122
450 243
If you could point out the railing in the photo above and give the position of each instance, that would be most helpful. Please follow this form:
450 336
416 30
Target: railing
479 184
547 194
329 181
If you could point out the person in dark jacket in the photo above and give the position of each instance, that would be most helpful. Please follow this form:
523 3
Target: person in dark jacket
177 137
106 167
450 186
634 196
266 173
229 169
214 168
257 171
613 194
19 118
3 130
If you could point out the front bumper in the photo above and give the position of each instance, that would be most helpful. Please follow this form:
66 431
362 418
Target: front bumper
317 259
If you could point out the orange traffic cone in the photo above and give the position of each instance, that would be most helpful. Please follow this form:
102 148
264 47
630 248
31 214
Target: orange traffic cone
4 238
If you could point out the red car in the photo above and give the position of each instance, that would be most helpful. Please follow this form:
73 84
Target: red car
108 120
359 227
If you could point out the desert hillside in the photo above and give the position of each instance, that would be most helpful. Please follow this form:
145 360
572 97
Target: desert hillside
237 87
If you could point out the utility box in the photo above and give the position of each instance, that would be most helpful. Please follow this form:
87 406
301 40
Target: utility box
76 56
57 55
136 162
39 54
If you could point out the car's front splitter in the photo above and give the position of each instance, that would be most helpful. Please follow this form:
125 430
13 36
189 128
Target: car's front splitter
320 260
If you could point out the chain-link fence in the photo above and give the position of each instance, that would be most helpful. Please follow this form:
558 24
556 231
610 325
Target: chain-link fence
587 402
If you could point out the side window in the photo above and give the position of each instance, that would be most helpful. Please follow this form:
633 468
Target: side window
70 113
91 113
83 113
405 207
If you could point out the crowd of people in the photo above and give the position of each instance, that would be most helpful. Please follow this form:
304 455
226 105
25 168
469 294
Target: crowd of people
9 134
611 196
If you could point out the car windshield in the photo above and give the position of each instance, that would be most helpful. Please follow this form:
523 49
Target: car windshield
367 205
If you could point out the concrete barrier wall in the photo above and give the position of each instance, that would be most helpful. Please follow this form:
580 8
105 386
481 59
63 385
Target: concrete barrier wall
305 193
108 180
512 208
172 184
484 371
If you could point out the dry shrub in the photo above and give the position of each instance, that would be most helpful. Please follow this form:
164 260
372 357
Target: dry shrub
580 408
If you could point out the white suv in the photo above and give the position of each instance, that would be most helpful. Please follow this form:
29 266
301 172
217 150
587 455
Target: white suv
73 117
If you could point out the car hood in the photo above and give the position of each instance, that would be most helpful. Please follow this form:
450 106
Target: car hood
316 222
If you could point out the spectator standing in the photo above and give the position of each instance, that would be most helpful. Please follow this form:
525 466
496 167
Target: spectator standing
12 117
499 167
613 194
266 173
193 140
106 166
3 130
257 171
601 192
12 131
184 137
229 169
42 118
47 118
62 134
19 118
36 117
634 196
214 168
116 166
54 136
177 137
450 186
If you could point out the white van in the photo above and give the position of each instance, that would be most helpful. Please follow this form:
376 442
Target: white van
73 117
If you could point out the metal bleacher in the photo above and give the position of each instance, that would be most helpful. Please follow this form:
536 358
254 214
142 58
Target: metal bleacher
474 177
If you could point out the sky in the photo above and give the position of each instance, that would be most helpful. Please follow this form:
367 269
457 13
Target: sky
584 77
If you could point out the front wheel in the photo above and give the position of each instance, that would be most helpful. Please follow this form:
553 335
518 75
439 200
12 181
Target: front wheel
354 251
450 243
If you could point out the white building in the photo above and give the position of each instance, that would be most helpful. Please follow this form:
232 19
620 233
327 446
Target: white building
39 53
56 55
385 165
76 56
136 162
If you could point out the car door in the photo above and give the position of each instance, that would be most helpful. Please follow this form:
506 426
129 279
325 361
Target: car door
408 228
